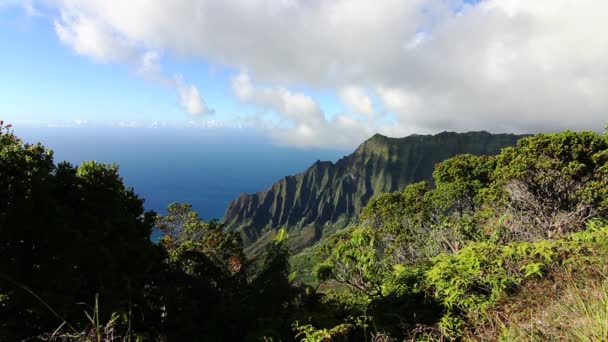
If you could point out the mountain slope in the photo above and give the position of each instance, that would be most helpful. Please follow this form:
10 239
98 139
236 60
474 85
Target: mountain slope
326 195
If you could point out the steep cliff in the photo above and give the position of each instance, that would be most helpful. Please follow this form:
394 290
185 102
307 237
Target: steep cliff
325 196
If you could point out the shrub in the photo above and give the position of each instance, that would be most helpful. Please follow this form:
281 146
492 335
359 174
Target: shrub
482 274
550 184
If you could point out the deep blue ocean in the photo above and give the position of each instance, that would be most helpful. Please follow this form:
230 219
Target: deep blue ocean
204 167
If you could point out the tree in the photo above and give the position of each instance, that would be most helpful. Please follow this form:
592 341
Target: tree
550 184
206 271
184 230
270 292
68 234
460 179
354 257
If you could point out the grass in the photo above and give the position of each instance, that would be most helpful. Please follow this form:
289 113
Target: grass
96 330
571 304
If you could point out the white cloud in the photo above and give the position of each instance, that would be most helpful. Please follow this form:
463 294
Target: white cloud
242 87
499 65
404 104
149 66
302 122
190 99
291 105
357 100
80 122
90 37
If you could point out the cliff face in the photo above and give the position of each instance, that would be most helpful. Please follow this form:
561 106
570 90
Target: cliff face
327 195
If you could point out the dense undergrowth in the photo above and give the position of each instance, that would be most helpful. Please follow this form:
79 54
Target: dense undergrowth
511 247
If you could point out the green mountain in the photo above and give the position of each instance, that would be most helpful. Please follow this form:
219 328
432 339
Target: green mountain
323 198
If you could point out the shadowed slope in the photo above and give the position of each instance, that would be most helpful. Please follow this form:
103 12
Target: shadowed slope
325 196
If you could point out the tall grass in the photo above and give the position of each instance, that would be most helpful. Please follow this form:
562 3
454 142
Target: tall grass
96 330
573 308
590 306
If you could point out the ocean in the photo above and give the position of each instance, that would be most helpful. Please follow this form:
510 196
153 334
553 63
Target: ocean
204 167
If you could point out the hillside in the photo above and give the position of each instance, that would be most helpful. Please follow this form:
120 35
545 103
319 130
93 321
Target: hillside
502 248
323 198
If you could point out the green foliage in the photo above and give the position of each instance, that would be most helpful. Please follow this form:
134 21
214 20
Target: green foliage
545 187
459 181
354 328
67 234
308 333
473 278
271 284
550 184
184 233
452 326
475 236
404 221
394 210
304 262
483 274
432 260
220 293
393 295
422 222
96 330
354 258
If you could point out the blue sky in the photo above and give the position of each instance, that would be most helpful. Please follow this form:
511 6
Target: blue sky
45 82
306 73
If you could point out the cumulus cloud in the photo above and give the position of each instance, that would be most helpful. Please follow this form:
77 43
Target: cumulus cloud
357 100
149 66
190 99
291 105
498 65
302 122
91 36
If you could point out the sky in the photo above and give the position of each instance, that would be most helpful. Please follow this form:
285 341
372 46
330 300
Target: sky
306 73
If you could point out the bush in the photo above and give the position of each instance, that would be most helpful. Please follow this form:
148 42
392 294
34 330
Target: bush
483 274
550 184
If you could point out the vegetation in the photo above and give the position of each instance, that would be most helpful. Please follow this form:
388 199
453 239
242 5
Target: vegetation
77 262
486 228
327 196
68 234
506 247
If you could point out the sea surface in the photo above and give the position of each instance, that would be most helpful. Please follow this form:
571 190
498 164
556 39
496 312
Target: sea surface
204 167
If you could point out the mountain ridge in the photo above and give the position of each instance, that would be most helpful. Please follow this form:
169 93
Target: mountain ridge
323 197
